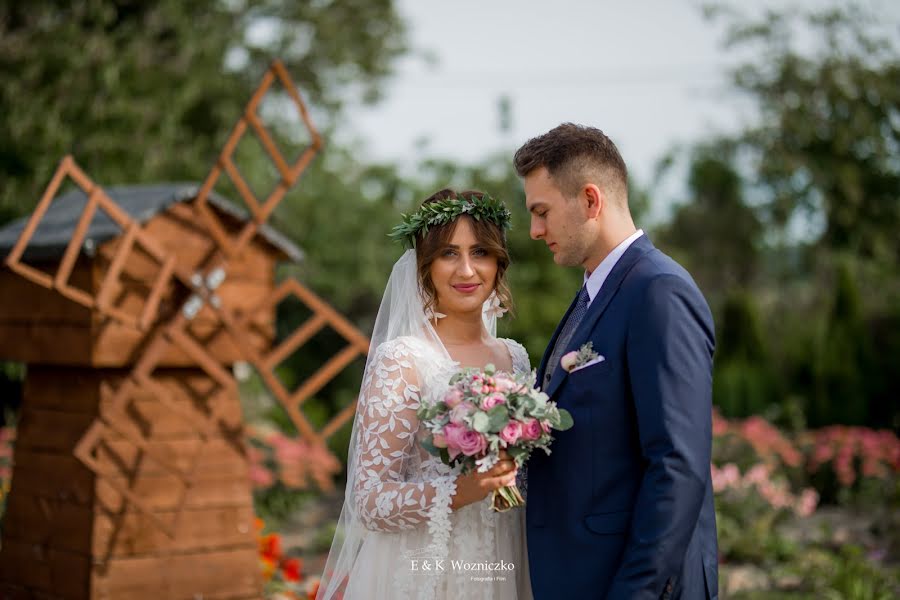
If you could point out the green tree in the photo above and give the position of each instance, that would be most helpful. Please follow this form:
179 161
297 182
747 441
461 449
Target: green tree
142 90
743 383
845 359
810 189
826 143
714 234
884 406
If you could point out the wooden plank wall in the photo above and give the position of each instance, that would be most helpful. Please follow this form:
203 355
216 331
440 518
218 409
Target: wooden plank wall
38 325
70 534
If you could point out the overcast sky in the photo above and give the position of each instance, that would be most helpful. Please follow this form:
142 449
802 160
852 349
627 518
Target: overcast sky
650 73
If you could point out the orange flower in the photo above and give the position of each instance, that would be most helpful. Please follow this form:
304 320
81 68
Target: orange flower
270 547
268 567
292 569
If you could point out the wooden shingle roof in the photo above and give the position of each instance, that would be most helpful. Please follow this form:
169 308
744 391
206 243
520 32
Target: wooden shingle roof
141 202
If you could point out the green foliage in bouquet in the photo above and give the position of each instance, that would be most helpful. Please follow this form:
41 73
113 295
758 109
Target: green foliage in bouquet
522 403
485 413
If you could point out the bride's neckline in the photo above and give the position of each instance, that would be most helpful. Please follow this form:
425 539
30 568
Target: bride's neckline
506 347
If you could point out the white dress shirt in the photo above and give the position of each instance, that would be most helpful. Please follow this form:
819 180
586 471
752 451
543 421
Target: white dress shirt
594 281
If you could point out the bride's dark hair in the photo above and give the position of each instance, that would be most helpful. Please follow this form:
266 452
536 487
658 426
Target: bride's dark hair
430 245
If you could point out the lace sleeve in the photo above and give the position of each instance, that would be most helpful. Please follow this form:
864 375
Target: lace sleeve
386 442
520 360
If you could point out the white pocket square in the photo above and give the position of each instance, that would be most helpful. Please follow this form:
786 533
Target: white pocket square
590 363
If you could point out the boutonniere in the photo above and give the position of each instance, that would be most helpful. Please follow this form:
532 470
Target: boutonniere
578 359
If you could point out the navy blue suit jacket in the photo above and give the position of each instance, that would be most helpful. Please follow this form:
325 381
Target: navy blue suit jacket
623 507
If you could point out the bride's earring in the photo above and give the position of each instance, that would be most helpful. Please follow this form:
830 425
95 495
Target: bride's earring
433 315
494 307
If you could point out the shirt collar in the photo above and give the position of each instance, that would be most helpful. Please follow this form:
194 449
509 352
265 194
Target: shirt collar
595 281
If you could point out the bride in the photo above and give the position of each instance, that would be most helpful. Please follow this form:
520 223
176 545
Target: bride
411 526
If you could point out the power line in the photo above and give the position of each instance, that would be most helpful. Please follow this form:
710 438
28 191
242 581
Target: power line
570 78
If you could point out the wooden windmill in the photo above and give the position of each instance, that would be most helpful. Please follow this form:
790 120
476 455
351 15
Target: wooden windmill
130 306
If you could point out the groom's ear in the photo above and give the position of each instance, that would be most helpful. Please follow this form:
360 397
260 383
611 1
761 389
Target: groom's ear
594 200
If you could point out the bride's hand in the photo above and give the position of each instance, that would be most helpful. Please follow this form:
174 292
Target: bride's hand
473 487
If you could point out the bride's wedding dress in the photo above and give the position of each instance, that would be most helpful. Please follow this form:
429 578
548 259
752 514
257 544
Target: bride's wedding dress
416 546
397 538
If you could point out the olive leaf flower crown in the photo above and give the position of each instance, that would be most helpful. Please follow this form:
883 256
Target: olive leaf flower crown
441 212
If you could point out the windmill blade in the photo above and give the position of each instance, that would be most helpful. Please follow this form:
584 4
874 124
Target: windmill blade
135 238
265 364
84 451
289 173
110 423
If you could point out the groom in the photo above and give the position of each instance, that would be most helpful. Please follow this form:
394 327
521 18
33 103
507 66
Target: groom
623 507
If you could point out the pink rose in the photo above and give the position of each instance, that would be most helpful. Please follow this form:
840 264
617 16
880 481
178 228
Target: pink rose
439 440
512 432
460 412
545 425
504 384
462 439
491 401
451 432
531 429
454 396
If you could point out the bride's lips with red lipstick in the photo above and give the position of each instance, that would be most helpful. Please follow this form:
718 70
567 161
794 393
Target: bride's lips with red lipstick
466 288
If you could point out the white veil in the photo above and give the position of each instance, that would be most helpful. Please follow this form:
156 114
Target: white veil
401 314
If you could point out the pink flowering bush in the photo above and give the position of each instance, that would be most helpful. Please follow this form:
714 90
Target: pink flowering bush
753 440
840 462
853 463
773 490
286 472
292 462
765 479
750 505
854 451
759 482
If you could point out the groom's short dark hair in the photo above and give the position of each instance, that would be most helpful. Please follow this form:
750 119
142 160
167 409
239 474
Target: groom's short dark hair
573 156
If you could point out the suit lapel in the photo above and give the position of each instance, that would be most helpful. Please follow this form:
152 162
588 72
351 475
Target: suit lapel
550 346
640 247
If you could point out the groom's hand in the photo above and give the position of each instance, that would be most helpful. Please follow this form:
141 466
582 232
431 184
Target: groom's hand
474 487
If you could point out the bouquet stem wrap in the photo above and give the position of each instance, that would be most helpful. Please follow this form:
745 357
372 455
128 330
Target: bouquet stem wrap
506 498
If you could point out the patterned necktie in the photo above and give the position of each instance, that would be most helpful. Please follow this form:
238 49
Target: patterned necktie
565 336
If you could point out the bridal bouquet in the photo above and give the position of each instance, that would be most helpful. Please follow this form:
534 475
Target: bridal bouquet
485 412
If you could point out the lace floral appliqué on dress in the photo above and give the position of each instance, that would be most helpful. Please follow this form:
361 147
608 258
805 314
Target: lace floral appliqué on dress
415 546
